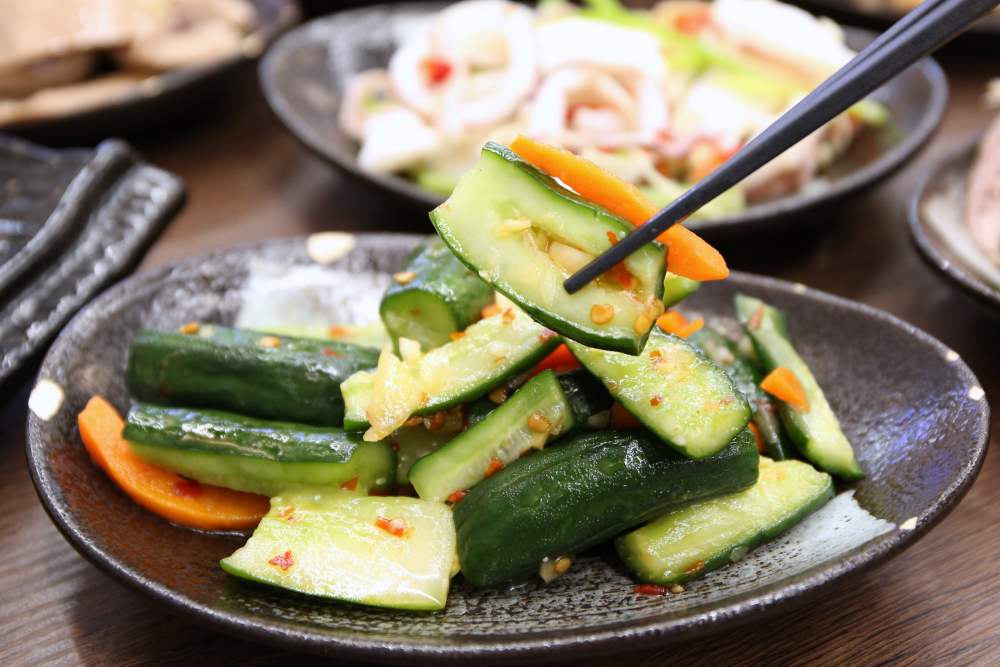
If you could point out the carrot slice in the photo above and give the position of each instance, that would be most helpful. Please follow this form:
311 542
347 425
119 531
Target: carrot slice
559 360
688 254
622 418
782 384
159 490
674 323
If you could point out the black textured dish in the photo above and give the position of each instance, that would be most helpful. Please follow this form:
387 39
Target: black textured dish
305 71
165 96
94 213
943 185
868 13
913 409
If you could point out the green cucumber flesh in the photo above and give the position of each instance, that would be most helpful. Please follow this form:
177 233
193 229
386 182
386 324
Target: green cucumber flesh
491 352
815 431
583 491
266 376
328 543
502 221
747 377
674 390
438 297
411 444
677 288
686 543
505 434
247 454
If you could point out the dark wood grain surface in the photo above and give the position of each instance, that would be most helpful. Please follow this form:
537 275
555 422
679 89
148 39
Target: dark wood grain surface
936 604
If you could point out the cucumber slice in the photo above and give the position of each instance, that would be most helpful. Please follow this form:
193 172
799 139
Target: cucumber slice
816 431
491 352
262 375
677 288
536 413
434 296
747 377
525 234
586 395
247 454
328 543
411 444
674 390
687 543
371 335
581 492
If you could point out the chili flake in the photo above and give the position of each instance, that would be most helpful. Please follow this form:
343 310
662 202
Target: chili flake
495 466
330 352
284 561
190 328
756 318
508 316
457 496
350 485
287 513
601 313
187 488
650 589
656 400
539 423
395 527
457 335
269 341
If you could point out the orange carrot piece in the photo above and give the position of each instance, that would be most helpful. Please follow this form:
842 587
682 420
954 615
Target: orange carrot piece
159 490
688 254
622 418
559 360
756 436
675 323
782 384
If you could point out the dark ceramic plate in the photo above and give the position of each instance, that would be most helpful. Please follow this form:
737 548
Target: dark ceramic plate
165 96
913 409
880 14
71 222
305 71
937 227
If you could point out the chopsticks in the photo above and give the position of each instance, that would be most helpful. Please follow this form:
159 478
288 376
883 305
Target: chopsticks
932 24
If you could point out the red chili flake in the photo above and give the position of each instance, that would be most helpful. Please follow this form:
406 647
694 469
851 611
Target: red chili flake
495 466
548 334
187 488
330 352
350 485
756 318
457 335
651 589
436 70
695 567
336 331
612 238
284 561
693 22
435 421
656 400
621 275
457 495
395 527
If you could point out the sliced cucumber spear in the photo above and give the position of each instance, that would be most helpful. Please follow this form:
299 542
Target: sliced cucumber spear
746 376
815 431
677 288
382 552
489 353
536 413
247 454
263 375
525 234
686 543
433 296
674 390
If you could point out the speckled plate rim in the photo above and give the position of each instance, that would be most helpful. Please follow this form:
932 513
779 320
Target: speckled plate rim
757 216
953 272
709 618
886 17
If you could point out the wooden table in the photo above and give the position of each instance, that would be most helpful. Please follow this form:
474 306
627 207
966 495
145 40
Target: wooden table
935 604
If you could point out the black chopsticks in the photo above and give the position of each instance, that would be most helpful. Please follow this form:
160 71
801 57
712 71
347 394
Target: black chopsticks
922 31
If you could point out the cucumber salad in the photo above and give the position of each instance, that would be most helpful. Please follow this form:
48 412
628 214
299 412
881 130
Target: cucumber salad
659 97
492 426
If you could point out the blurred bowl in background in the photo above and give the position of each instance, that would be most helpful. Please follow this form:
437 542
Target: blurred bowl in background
882 13
305 72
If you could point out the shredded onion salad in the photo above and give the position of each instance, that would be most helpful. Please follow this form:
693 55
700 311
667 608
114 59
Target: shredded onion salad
659 98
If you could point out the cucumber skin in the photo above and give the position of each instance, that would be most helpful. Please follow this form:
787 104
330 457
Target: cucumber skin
442 276
631 345
722 559
586 395
747 377
677 288
252 455
745 306
225 368
582 492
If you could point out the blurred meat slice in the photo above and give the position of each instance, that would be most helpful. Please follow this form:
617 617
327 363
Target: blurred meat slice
50 42
982 207
169 34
